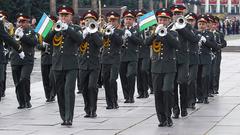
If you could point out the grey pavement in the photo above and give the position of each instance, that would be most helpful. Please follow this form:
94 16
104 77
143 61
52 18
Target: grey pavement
220 117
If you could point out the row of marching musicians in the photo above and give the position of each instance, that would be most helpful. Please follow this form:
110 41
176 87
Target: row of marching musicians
182 57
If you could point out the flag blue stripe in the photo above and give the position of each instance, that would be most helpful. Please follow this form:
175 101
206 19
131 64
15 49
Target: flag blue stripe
40 23
147 15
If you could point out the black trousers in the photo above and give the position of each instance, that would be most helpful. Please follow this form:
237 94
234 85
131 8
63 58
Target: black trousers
21 77
181 80
1 80
48 81
163 84
65 86
89 80
216 72
192 84
128 71
109 76
142 76
203 81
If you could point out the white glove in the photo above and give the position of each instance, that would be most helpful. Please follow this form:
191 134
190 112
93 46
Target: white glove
173 28
85 33
64 26
22 55
127 33
19 32
203 39
200 43
45 44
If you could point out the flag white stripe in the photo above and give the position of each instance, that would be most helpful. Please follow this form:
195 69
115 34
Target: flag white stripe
44 25
147 20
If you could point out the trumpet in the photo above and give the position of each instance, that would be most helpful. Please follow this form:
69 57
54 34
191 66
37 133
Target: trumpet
92 26
181 22
109 30
7 25
161 30
58 26
18 33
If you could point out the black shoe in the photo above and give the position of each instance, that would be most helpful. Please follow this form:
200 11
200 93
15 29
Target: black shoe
216 92
127 101
64 123
115 105
184 113
109 107
69 123
28 105
21 107
87 116
151 92
162 124
52 99
131 100
145 95
205 101
140 96
169 122
210 95
175 116
93 115
192 106
48 100
199 101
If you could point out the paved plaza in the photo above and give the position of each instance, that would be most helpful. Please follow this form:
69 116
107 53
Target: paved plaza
220 117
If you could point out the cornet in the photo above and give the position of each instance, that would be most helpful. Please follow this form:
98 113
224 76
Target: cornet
58 26
92 27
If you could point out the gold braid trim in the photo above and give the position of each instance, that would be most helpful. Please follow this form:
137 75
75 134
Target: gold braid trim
83 47
156 46
57 40
106 42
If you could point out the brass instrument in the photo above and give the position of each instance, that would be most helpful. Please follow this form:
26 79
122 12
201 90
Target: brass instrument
109 30
180 23
17 32
8 26
92 26
58 26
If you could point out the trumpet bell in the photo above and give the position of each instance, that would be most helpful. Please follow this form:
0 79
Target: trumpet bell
93 27
181 23
109 30
58 26
162 31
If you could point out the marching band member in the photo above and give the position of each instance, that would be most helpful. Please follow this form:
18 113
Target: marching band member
128 57
163 66
112 42
89 64
65 41
22 67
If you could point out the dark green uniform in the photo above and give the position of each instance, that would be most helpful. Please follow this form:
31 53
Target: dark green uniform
163 73
143 67
219 38
5 39
128 66
89 70
22 68
186 36
193 69
110 59
46 70
205 61
65 68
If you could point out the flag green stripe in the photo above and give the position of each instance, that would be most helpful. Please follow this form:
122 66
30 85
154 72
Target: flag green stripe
146 25
47 29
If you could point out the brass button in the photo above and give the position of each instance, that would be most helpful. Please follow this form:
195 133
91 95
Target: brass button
87 56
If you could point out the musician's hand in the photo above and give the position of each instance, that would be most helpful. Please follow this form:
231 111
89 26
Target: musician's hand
22 55
127 33
203 39
85 33
64 26
19 32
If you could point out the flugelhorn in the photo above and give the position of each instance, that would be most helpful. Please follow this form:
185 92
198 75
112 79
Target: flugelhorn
109 30
161 30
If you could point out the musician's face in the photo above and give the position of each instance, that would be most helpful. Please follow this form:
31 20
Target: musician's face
202 26
128 21
65 17
163 20
191 22
176 15
215 26
113 22
23 23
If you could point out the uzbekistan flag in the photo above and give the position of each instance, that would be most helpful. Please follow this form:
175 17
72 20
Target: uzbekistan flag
147 20
44 26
